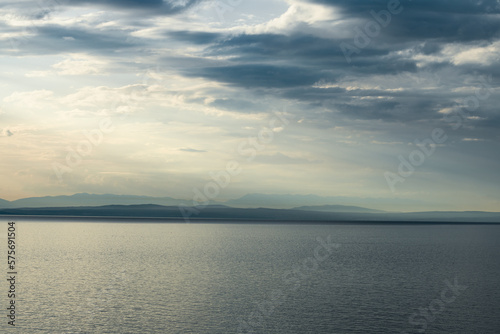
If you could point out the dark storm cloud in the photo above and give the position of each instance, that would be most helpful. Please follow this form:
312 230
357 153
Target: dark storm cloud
120 3
288 65
304 60
444 20
56 39
298 47
195 37
371 104
395 110
159 7
41 9
354 7
423 25
255 76
83 38
483 69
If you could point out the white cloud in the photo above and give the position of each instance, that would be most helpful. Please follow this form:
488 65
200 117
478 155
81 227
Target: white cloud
37 74
30 98
301 14
80 64
462 54
483 55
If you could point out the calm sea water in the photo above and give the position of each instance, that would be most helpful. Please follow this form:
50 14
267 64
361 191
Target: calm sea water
77 277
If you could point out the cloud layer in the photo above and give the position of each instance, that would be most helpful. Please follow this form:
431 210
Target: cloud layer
360 83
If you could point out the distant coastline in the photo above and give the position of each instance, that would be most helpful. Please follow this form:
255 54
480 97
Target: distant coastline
156 220
221 214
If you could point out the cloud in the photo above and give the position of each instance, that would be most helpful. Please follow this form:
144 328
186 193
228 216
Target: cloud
191 150
155 7
38 74
264 76
189 81
54 39
6 133
236 105
30 98
472 139
80 64
438 20
196 37
292 64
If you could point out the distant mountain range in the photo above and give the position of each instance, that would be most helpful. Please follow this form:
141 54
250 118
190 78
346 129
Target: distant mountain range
337 208
277 201
84 199
253 207
247 201
224 213
289 201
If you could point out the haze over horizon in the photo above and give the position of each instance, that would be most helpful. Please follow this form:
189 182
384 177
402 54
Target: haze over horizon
228 98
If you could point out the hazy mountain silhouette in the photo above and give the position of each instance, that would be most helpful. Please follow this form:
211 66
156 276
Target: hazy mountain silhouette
278 201
252 206
289 201
336 208
221 212
84 199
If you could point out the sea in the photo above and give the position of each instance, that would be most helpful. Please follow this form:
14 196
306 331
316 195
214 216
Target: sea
76 276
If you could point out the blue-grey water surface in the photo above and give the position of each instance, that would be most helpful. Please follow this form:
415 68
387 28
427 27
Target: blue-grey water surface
81 277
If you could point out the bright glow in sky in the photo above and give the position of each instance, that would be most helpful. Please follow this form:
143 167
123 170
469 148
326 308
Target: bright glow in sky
153 97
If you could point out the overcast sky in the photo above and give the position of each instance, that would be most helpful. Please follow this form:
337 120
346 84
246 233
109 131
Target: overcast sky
153 97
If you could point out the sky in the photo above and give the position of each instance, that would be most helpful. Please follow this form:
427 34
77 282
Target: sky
394 100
